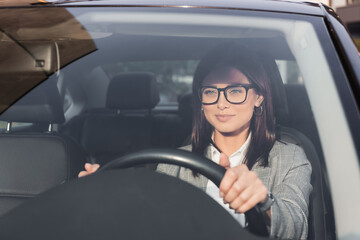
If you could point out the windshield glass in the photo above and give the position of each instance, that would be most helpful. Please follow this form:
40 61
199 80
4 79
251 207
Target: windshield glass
119 80
84 49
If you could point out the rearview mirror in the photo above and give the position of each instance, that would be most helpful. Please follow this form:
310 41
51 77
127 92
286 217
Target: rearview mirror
27 56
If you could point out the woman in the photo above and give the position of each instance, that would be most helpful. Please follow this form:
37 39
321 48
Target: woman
233 126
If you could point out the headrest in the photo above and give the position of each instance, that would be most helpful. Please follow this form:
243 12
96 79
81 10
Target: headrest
300 106
133 91
278 93
41 105
185 106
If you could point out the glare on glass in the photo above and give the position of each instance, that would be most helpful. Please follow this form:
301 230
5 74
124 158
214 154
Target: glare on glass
233 94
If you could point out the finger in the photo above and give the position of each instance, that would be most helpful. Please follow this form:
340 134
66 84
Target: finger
224 161
243 197
228 180
250 197
237 203
95 167
235 191
83 174
231 175
91 168
246 186
250 203
88 167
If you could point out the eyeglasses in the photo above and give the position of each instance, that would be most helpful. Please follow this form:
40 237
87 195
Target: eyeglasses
235 94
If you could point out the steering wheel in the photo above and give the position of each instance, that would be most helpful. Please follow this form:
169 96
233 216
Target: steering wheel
197 163
129 204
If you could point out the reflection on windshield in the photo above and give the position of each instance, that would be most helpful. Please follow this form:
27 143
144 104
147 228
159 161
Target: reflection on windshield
35 46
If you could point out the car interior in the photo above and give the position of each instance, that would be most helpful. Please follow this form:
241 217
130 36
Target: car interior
81 113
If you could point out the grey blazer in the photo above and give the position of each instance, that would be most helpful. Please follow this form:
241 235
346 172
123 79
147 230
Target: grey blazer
287 177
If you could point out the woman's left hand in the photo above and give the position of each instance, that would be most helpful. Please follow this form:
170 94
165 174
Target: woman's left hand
240 187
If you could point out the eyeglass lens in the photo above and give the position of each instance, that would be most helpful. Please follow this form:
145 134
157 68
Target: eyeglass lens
236 94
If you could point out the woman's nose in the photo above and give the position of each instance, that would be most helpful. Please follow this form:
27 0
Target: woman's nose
222 102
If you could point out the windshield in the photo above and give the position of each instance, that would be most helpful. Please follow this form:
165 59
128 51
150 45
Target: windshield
83 49
119 80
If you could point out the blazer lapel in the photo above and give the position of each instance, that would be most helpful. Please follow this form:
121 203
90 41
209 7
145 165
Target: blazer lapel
199 181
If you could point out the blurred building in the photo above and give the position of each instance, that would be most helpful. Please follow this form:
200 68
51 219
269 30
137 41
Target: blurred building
349 12
350 15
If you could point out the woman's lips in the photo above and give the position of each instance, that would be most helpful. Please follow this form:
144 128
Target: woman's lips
223 117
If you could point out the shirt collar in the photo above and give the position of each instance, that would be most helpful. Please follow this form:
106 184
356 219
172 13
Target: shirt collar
238 153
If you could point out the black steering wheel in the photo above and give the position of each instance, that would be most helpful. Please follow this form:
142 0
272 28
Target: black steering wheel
197 163
130 204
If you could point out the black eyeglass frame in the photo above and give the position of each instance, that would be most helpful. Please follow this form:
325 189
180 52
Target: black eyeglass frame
246 86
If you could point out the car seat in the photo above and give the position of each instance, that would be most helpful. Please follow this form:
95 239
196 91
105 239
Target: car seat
34 157
185 113
127 124
287 131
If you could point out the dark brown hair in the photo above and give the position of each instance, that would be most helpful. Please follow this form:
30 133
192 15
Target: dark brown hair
262 123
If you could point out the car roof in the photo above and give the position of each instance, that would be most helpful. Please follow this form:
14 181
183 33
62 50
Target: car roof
291 6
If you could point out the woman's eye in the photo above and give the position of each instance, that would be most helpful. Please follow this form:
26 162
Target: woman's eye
236 90
209 92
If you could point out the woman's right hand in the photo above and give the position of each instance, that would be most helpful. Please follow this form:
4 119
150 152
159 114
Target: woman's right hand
89 169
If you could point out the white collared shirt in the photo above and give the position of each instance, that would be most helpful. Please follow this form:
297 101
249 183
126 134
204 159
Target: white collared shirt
235 159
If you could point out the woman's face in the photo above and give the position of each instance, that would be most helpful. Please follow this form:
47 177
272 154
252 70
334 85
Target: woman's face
225 117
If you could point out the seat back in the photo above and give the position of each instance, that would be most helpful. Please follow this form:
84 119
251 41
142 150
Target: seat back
301 116
34 161
288 131
127 124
